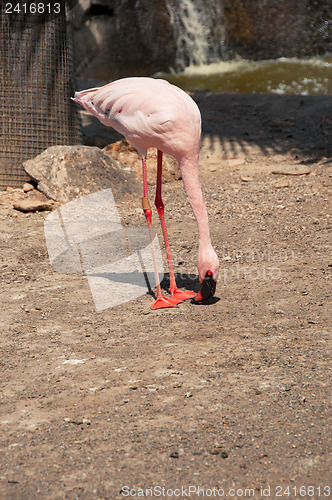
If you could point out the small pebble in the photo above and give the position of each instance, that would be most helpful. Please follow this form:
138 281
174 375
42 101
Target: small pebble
281 183
235 162
27 187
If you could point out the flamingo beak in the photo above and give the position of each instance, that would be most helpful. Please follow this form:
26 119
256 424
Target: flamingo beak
208 288
76 99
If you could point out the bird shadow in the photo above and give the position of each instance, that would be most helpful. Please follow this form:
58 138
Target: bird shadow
207 302
187 281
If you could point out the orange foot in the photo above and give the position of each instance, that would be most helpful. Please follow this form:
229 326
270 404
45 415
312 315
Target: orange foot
162 302
181 296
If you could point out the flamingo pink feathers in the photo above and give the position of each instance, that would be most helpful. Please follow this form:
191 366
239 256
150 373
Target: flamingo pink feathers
152 113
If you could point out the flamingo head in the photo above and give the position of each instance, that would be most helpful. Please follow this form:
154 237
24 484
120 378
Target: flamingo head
208 288
208 269
86 100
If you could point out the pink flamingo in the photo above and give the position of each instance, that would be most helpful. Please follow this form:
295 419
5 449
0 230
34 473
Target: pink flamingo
154 113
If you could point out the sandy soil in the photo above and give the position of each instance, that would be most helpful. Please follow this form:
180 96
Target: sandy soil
231 397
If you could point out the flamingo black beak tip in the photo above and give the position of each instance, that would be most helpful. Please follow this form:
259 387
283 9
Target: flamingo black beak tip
207 290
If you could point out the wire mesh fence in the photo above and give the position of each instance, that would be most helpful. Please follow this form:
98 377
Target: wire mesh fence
37 79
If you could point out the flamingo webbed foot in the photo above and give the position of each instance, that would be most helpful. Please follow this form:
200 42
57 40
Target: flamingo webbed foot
162 302
180 295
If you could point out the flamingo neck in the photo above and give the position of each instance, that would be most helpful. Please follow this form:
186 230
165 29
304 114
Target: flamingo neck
190 176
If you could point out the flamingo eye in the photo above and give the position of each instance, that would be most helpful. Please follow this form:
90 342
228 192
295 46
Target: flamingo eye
91 102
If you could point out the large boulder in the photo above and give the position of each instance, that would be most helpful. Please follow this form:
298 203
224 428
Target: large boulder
64 173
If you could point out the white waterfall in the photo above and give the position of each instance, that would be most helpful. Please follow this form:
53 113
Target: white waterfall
192 24
193 39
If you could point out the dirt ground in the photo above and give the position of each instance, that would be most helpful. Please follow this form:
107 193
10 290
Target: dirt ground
228 399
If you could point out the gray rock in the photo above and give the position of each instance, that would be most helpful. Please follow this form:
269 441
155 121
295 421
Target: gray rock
64 173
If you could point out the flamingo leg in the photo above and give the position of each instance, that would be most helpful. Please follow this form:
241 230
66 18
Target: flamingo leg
176 294
161 301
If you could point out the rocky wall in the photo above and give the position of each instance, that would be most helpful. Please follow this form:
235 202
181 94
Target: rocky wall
116 38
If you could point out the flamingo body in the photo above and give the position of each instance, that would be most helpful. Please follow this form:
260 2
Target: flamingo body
147 112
